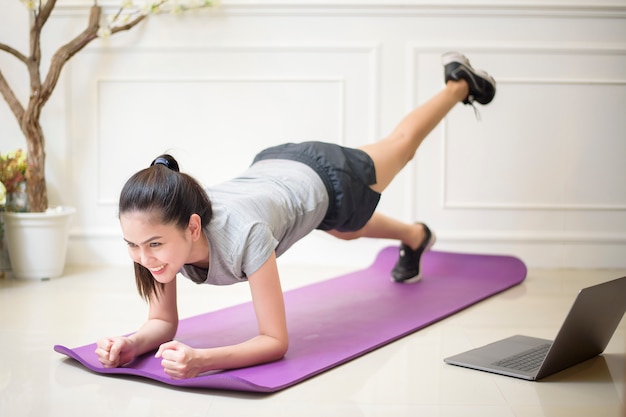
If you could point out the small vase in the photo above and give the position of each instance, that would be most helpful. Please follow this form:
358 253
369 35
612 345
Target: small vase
5 262
17 200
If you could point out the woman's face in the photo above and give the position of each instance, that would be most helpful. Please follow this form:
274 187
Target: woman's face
162 248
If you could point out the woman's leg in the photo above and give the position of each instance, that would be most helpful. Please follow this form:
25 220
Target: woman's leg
463 83
385 227
392 153
416 239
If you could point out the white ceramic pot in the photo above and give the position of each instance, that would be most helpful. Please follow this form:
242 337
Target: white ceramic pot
38 242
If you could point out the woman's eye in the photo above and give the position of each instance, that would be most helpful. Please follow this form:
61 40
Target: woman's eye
154 244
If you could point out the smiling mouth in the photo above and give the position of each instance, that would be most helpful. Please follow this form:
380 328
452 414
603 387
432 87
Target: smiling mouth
157 269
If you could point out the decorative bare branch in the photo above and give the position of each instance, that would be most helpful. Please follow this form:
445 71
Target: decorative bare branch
14 52
28 116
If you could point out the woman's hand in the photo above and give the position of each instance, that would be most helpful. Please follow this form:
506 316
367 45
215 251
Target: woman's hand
115 351
179 361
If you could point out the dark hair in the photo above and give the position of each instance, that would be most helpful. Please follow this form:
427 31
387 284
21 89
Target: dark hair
168 195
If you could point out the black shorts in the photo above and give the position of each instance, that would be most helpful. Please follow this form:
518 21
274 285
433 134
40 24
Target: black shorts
347 174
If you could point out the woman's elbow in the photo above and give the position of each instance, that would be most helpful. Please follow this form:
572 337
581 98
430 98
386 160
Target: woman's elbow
279 350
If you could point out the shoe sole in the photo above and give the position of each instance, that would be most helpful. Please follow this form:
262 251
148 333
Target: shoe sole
458 58
417 278
450 57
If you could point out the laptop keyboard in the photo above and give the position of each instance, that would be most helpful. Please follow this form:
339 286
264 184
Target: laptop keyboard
525 361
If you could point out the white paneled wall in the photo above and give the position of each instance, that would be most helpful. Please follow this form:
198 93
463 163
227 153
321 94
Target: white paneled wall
541 176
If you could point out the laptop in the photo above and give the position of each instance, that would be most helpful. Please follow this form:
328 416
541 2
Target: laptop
588 327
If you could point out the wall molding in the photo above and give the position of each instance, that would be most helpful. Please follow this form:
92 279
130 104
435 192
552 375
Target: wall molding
414 50
447 205
597 236
494 8
99 142
371 52
527 237
530 237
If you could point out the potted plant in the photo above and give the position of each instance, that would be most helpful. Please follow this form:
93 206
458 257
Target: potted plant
12 196
28 112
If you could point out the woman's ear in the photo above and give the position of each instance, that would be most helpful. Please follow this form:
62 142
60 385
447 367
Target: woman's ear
195 226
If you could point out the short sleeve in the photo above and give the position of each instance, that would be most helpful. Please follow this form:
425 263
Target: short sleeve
260 244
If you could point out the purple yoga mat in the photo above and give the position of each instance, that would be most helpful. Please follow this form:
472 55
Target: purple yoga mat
334 321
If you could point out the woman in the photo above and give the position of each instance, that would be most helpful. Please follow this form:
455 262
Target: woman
234 232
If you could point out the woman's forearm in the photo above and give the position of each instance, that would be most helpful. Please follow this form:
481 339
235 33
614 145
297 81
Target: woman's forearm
260 349
152 334
181 361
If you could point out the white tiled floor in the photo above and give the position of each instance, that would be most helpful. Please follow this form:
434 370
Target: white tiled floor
405 378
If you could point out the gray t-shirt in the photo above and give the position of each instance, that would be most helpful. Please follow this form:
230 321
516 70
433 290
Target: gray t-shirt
269 207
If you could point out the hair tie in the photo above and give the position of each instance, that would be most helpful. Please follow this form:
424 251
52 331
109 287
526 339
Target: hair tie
161 161
168 161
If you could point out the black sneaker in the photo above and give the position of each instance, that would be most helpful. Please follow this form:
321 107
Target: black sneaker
482 86
408 268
